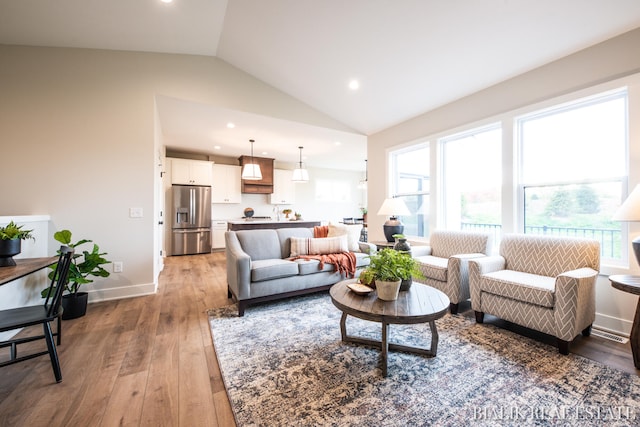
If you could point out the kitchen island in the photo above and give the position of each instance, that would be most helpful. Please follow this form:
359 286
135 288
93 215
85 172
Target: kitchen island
253 224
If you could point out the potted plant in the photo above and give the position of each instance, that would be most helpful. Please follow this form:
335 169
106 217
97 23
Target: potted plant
390 268
364 214
82 267
287 212
367 277
11 237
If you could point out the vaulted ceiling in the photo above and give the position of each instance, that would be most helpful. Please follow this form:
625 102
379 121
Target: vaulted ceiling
409 56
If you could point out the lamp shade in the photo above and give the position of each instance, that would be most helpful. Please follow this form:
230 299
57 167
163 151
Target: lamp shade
393 207
630 209
300 175
251 171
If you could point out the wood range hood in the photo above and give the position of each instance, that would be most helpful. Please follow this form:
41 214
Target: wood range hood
264 185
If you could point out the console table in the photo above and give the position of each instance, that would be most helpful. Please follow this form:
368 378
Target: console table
24 267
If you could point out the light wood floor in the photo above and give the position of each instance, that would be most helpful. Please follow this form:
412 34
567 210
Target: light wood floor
140 361
150 361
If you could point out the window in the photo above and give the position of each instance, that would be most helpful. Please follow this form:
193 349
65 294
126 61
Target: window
573 170
472 180
410 182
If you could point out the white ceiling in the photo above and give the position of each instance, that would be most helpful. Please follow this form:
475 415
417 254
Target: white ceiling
410 56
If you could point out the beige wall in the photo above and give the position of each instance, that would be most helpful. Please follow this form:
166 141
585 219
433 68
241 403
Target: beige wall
78 141
602 63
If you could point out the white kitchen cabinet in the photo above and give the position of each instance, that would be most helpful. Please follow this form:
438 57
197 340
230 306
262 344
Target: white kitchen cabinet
226 184
191 172
218 228
284 191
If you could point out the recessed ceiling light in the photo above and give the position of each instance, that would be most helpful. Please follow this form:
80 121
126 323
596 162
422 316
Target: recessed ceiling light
231 125
216 147
166 1
354 85
264 153
337 143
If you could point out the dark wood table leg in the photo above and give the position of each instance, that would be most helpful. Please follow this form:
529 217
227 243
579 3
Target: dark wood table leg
343 327
434 338
635 337
385 347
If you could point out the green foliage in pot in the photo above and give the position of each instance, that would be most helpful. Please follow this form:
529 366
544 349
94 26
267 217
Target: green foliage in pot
12 231
391 265
366 276
83 265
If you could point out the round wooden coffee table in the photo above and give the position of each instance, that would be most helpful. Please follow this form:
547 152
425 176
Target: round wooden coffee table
420 304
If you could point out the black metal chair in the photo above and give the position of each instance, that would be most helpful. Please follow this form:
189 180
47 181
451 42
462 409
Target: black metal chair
23 317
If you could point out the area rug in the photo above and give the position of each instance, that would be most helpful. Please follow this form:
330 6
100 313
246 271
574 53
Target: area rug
284 364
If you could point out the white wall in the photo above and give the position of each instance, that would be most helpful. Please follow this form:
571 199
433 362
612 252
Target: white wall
79 143
605 62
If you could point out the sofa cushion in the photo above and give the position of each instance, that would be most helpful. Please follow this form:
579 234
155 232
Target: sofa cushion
318 246
525 287
362 259
352 231
285 234
260 244
312 266
274 268
433 267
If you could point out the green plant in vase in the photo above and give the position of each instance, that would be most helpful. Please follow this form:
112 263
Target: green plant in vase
11 237
83 267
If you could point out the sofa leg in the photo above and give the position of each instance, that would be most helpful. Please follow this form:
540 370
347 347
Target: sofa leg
453 308
479 317
586 331
241 307
563 346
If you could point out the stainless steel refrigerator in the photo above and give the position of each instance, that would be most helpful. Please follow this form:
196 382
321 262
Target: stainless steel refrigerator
191 223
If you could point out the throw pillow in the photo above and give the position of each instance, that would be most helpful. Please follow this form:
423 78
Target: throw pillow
318 246
352 231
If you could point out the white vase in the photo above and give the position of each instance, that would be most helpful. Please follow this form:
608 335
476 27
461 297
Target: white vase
388 291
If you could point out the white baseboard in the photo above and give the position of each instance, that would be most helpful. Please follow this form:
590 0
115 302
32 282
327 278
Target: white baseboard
612 324
122 292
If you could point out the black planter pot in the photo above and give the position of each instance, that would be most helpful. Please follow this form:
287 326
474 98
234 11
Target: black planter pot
8 249
405 285
74 305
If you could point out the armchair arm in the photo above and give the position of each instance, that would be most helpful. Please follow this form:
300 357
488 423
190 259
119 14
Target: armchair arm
478 267
575 304
458 276
367 248
238 267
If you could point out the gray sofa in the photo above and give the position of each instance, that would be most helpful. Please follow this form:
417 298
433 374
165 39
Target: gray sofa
259 268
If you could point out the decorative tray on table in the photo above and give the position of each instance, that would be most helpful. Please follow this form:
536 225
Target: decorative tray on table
359 288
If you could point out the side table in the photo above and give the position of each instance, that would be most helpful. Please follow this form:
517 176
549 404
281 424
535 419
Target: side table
631 284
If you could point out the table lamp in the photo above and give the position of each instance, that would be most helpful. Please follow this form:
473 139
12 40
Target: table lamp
630 211
392 208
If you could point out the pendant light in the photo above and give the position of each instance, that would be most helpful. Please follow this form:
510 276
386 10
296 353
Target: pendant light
363 184
251 171
300 174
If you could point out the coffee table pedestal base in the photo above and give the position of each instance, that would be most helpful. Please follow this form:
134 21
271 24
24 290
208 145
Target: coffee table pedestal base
385 345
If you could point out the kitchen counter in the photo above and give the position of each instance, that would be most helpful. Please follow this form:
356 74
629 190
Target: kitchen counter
252 224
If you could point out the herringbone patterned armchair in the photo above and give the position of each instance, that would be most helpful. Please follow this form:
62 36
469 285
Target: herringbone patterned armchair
444 262
540 282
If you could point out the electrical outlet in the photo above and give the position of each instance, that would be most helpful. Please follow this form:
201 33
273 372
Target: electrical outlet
117 267
135 213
